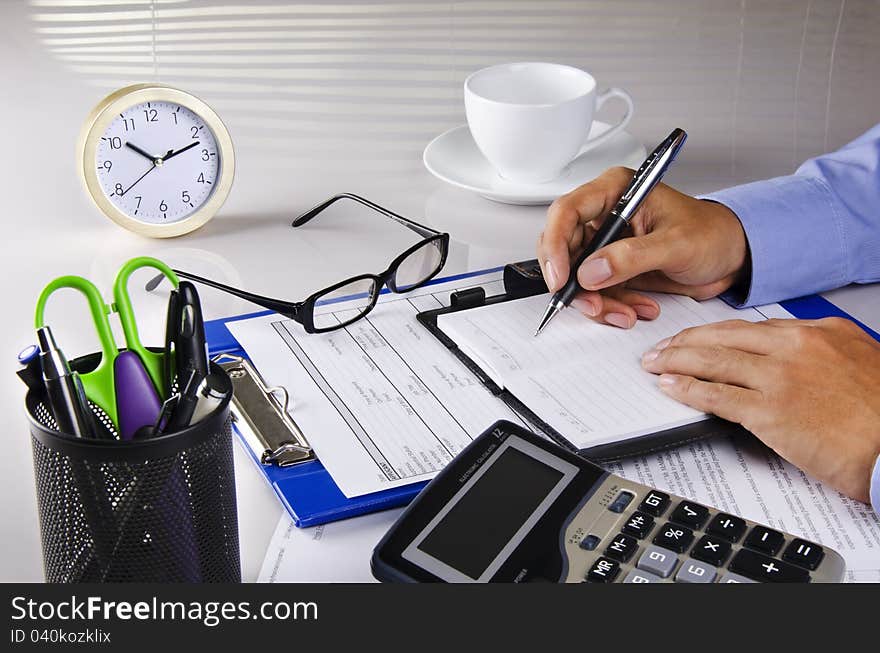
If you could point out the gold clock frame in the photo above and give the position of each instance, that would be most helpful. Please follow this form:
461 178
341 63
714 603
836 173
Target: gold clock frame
101 117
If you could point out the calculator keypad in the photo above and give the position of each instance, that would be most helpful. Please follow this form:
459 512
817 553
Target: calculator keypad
690 514
658 561
603 571
731 577
711 549
693 571
691 544
803 553
674 537
639 576
729 527
622 547
639 525
765 540
764 568
655 503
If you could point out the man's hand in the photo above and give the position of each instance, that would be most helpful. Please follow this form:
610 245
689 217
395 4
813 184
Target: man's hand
810 389
677 244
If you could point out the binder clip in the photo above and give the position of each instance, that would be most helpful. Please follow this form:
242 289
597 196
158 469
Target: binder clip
265 411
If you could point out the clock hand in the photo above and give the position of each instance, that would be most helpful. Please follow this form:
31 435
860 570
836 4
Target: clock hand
156 161
140 151
152 167
172 153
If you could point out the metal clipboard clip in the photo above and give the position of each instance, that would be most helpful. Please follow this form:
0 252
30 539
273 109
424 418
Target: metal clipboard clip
265 410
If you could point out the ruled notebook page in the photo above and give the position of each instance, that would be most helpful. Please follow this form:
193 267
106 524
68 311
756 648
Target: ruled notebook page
584 379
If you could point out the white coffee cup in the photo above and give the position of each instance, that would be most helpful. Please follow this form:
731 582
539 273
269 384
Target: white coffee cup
530 120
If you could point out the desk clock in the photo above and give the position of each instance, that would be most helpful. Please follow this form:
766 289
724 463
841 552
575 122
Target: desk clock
156 160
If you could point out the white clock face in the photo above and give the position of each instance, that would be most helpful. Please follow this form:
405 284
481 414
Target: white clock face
158 162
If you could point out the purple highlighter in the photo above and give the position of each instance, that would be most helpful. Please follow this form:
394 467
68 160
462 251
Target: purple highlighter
137 402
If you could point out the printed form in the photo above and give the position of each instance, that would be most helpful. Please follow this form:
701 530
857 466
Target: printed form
382 401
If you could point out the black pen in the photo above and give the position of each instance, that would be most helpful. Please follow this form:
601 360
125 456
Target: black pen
64 389
643 181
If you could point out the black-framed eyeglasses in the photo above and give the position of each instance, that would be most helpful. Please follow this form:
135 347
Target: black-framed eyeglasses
412 269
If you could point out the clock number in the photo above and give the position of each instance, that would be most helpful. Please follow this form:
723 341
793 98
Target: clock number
119 190
125 122
151 115
195 130
174 115
205 155
201 178
138 198
107 165
185 198
115 142
163 206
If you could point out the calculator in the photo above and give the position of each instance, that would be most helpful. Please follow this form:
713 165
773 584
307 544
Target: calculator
515 507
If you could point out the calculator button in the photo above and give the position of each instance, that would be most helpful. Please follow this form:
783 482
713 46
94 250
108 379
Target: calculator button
655 503
727 526
711 549
622 547
590 542
690 514
638 524
674 537
638 576
692 571
731 577
657 561
803 553
764 539
765 569
621 501
603 571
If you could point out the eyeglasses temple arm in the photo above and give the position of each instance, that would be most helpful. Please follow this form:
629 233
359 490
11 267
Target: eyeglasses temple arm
422 230
287 309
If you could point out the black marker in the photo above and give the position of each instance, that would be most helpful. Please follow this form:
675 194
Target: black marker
190 346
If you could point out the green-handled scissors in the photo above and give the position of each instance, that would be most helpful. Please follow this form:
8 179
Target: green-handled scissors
99 384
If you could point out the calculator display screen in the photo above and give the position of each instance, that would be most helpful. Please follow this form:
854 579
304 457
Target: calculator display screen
483 520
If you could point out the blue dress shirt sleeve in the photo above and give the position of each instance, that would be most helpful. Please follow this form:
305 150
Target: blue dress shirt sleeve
815 230
875 487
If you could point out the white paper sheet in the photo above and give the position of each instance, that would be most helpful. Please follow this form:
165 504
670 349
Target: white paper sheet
585 379
382 401
338 552
744 477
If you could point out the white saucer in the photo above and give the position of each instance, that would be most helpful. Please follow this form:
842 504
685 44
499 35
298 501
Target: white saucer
454 157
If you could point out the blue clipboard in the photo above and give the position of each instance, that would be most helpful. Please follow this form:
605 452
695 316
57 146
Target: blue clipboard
308 492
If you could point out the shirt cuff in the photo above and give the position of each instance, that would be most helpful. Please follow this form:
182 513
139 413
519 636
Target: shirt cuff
875 487
795 237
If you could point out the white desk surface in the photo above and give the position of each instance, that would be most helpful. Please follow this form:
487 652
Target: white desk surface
51 228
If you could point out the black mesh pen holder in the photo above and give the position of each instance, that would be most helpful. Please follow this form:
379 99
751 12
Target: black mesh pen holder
158 509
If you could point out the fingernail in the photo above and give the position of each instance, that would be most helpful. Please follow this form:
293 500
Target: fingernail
649 356
645 311
595 271
551 275
666 381
618 320
585 306
663 344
